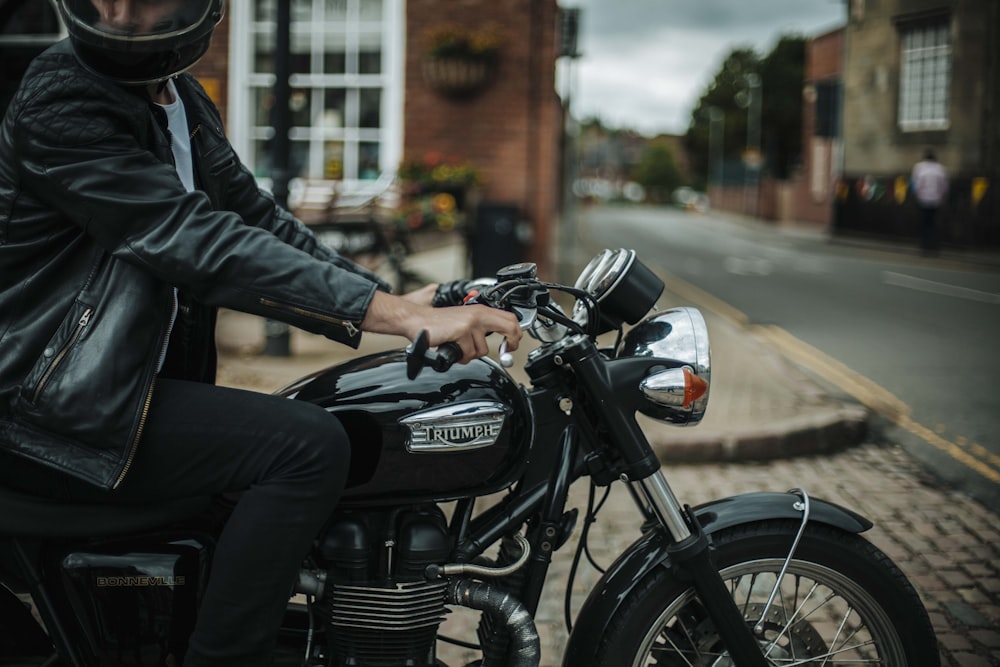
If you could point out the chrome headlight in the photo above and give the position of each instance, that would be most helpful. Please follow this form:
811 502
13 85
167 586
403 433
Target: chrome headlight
678 393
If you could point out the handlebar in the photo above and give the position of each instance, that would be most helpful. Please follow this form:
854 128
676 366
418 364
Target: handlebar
517 290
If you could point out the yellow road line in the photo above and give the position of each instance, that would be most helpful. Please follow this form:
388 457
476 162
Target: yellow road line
985 454
867 392
876 398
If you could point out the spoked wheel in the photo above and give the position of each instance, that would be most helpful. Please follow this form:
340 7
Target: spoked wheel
841 602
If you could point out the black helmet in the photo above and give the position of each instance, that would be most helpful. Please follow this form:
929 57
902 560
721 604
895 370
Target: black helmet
139 42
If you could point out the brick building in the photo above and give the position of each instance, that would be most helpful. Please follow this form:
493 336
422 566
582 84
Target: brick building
362 98
821 145
511 129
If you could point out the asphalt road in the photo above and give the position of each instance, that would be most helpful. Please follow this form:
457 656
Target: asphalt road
913 338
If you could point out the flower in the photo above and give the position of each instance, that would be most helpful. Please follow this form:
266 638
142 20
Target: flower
451 40
429 212
431 189
435 170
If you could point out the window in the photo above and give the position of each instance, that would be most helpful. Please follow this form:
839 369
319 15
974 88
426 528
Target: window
346 81
925 76
27 27
828 109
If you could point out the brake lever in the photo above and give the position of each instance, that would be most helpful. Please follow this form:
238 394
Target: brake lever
506 358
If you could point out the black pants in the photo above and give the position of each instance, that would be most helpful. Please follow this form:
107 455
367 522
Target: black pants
928 229
290 460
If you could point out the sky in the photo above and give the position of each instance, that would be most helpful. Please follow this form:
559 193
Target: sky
645 63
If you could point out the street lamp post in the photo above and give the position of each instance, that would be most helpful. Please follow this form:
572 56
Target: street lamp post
752 159
277 335
716 138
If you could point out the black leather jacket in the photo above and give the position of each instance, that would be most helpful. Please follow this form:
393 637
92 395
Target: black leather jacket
96 231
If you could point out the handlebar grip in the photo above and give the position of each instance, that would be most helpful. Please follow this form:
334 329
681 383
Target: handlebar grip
419 354
446 356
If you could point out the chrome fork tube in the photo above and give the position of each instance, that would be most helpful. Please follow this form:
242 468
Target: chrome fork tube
664 504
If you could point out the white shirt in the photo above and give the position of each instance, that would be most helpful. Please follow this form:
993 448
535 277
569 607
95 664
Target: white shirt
180 142
930 183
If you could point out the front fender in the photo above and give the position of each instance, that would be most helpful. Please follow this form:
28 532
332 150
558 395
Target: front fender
650 551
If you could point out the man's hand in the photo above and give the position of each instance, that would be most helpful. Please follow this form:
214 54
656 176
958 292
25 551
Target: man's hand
468 326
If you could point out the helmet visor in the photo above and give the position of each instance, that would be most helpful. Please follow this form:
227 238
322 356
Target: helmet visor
136 25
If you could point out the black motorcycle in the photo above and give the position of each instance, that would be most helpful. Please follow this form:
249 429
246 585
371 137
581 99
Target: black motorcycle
751 580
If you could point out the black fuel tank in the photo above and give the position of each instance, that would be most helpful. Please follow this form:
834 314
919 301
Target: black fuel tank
441 436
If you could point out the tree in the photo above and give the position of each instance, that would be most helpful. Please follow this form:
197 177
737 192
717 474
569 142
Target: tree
657 171
782 75
721 94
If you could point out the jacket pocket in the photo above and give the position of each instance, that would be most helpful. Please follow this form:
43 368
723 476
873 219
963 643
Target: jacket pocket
72 329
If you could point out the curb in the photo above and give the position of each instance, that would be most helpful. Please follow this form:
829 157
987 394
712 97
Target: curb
830 431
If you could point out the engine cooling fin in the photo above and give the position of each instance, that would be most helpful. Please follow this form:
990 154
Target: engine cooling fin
383 626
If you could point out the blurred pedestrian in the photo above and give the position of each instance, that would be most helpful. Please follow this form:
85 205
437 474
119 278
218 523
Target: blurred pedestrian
930 186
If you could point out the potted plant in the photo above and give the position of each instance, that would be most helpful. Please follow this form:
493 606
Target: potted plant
434 190
460 61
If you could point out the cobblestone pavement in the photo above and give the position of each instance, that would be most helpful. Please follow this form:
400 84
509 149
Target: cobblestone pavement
948 545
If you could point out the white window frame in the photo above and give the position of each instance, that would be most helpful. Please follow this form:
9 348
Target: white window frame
243 82
924 76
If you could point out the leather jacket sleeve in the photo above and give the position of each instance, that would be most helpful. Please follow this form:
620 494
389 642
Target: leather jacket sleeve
99 170
241 193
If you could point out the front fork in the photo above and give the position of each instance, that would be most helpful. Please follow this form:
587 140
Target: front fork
691 553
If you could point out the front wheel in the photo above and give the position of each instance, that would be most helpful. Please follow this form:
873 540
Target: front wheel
841 602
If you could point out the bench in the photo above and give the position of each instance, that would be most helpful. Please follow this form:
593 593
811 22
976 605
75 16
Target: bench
357 223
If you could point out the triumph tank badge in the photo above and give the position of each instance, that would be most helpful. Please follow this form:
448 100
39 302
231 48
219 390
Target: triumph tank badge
455 428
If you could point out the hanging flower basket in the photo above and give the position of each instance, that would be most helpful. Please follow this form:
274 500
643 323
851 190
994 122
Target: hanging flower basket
457 76
459 62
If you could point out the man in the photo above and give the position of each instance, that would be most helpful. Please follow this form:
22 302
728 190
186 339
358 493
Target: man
930 187
125 221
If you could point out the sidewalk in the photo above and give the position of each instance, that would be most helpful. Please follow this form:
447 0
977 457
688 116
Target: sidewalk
761 406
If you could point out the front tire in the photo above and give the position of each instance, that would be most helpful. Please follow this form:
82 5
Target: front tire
841 602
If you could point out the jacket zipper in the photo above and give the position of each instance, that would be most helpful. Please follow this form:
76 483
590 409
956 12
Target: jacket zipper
352 328
138 433
63 351
144 414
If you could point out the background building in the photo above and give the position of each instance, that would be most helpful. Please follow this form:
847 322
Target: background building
921 74
821 129
370 89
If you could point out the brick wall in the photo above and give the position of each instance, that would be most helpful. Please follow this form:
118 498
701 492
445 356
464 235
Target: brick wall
213 70
510 130
814 183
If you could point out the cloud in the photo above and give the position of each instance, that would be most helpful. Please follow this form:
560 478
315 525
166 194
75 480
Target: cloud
646 62
649 85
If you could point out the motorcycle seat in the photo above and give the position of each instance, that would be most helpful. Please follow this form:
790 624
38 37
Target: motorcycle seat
23 515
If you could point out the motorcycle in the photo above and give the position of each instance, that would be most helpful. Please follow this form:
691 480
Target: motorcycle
752 580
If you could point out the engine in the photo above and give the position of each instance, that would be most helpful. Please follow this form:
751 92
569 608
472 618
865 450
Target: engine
379 608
